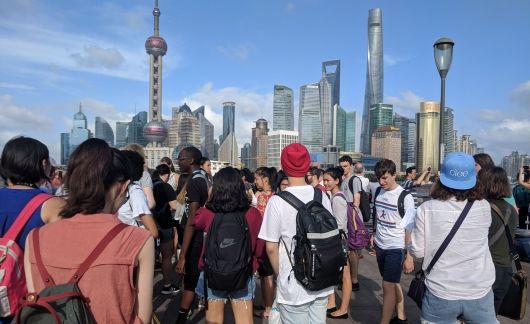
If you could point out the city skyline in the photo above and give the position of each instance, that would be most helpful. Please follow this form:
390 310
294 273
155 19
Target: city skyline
57 57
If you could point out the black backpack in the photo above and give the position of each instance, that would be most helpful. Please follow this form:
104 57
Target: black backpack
228 253
64 302
318 253
364 202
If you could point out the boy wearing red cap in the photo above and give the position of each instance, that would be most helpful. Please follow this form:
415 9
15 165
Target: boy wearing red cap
295 303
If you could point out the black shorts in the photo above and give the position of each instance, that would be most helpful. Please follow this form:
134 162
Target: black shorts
265 268
165 234
192 262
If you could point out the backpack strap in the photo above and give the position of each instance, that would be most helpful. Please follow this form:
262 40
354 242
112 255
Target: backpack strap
374 210
401 202
292 200
25 215
97 251
350 184
48 280
513 252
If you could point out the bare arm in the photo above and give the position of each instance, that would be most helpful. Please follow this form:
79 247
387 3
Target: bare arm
149 224
188 235
51 209
274 255
173 204
150 197
27 266
144 281
408 265
421 180
357 199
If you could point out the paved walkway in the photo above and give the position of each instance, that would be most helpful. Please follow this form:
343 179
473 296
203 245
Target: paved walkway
365 305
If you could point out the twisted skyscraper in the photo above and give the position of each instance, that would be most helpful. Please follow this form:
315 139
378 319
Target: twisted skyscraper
374 74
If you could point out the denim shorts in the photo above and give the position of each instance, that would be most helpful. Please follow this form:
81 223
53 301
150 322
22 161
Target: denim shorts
442 311
243 294
390 263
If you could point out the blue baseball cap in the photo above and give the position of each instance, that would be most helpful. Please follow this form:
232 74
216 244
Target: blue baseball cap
458 171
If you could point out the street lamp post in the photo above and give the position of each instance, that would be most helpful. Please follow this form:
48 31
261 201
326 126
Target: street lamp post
443 56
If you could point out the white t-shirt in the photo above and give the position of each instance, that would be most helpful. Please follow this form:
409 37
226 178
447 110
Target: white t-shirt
390 232
465 269
340 211
129 213
279 221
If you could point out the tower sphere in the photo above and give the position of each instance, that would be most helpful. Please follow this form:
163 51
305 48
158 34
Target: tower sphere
155 131
156 46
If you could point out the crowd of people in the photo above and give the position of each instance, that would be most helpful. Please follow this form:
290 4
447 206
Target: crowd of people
223 233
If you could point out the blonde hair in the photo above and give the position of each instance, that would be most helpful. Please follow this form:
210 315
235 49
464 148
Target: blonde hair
135 148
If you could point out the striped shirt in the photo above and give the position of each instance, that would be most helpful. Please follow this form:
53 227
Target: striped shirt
390 232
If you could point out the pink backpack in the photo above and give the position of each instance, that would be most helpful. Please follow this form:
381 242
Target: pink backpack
12 278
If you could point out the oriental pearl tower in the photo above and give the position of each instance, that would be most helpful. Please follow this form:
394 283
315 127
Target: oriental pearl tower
155 132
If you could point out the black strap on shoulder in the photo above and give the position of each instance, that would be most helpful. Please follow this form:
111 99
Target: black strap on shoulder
401 202
291 199
450 236
513 252
350 183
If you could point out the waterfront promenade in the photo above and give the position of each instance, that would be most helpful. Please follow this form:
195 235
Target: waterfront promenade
365 304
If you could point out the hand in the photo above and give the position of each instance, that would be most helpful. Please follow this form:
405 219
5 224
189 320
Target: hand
180 265
408 265
372 241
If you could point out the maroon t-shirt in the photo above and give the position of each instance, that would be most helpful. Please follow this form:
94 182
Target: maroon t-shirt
204 217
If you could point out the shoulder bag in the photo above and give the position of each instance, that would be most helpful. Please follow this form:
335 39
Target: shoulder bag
417 285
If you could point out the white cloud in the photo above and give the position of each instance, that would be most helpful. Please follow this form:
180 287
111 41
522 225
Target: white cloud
491 115
501 137
15 86
407 104
289 7
239 52
521 94
16 120
94 56
250 106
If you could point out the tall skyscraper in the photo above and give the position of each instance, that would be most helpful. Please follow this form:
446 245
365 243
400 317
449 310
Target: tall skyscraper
121 134
329 97
310 120
228 151
135 132
259 144
283 108
386 143
331 72
380 115
408 140
104 131
428 139
185 129
351 126
374 73
229 117
448 130
155 132
339 127
207 130
65 148
246 153
80 132
278 140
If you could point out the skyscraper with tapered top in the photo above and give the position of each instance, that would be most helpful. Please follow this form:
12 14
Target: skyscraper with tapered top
374 73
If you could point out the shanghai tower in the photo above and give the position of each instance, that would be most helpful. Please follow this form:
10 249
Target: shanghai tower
374 73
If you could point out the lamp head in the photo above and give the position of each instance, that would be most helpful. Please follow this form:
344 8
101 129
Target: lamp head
443 55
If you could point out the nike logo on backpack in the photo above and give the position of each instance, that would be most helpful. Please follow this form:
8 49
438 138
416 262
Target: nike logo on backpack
226 243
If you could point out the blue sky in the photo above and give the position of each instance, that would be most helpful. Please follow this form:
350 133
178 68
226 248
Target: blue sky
55 54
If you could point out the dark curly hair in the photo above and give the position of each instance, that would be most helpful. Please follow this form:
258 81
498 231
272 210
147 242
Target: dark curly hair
441 192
